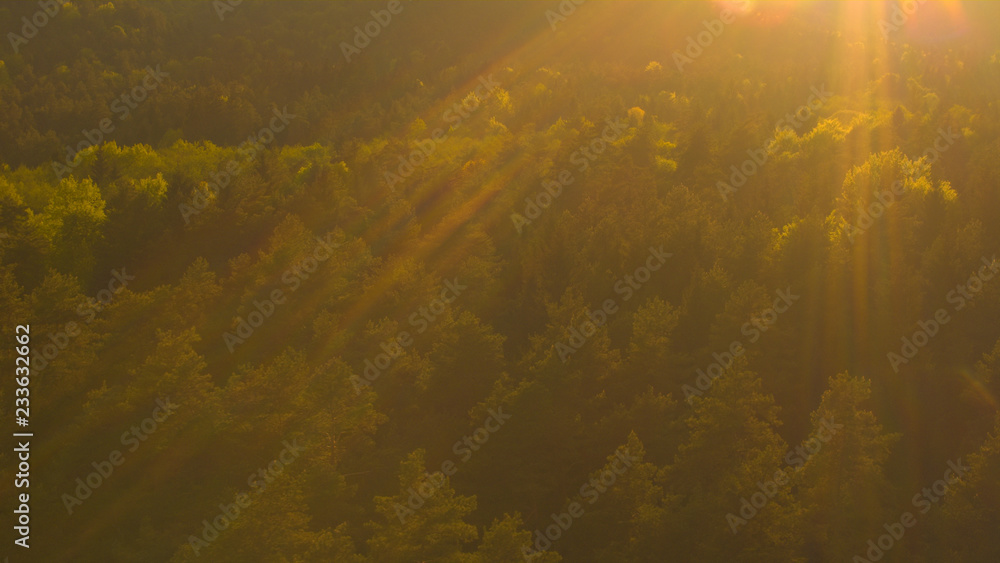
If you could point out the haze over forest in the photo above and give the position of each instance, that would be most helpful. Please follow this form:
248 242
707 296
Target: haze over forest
489 282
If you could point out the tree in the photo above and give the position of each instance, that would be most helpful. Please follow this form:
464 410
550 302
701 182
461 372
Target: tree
732 447
424 521
973 506
842 487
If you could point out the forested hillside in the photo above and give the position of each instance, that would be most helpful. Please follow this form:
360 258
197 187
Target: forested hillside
487 282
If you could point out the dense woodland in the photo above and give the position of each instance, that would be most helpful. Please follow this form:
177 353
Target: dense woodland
406 286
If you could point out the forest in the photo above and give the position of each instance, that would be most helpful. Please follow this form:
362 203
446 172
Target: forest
485 282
